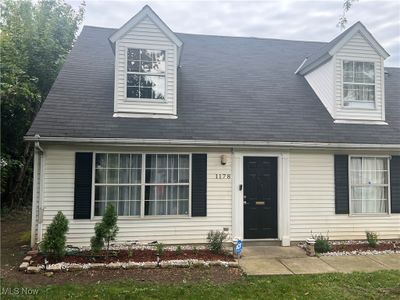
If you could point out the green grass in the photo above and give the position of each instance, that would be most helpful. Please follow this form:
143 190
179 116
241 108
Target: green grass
377 285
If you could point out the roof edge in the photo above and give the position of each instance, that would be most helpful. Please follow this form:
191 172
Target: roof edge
146 11
212 143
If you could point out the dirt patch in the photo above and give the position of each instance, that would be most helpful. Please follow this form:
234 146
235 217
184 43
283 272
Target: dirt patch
173 275
135 255
15 237
361 247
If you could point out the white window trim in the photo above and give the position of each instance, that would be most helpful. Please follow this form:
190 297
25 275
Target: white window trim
144 100
351 213
143 184
343 83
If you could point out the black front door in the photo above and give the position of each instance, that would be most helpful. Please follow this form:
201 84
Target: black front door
260 198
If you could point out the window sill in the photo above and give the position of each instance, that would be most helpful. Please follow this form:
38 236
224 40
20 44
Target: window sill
143 115
363 122
380 215
145 100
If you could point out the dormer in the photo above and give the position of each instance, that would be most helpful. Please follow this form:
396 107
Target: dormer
147 56
347 74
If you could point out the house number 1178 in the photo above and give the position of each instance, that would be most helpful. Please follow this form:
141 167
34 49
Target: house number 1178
222 176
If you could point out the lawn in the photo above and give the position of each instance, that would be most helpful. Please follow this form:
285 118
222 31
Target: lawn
377 285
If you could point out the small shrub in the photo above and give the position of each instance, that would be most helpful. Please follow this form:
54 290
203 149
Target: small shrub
54 239
195 250
178 250
372 238
160 249
321 243
105 231
215 240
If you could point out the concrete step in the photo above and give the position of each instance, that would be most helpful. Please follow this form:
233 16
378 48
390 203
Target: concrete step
262 243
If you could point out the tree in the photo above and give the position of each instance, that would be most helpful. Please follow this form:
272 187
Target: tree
343 19
54 238
35 39
105 231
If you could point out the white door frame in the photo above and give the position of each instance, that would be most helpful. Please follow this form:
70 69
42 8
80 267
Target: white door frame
283 193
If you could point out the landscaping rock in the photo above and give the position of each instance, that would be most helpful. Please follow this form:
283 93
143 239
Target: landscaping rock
74 267
33 270
54 267
94 266
32 252
132 265
48 274
28 258
114 265
233 264
23 266
149 265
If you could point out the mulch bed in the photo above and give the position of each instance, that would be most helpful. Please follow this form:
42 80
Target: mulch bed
349 247
135 255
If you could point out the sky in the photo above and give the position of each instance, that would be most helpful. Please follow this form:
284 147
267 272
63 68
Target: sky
283 19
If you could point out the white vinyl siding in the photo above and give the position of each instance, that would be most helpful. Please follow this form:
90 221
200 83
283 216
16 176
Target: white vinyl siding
312 203
59 195
145 35
358 49
321 80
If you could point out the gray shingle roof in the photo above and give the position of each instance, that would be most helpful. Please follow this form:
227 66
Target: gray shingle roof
229 88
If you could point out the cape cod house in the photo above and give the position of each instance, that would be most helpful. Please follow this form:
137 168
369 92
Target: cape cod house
263 138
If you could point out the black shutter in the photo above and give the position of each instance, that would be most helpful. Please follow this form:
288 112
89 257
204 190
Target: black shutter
83 185
199 185
395 184
341 184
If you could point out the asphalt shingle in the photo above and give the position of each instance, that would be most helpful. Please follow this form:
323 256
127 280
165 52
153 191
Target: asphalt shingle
229 88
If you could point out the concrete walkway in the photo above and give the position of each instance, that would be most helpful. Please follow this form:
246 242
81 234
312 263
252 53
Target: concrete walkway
275 260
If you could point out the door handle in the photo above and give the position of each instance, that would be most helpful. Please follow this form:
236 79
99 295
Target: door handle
244 202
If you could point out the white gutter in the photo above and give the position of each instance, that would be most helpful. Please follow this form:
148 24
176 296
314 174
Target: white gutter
37 195
210 143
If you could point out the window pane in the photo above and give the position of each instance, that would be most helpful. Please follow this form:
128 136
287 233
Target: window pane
133 54
124 176
369 72
135 193
133 66
184 161
101 160
133 80
136 161
356 193
124 160
124 193
136 175
184 175
112 193
100 193
132 92
112 161
99 208
123 208
101 176
173 175
183 207
112 176
134 208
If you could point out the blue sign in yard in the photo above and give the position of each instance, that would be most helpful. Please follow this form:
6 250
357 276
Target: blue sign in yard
238 247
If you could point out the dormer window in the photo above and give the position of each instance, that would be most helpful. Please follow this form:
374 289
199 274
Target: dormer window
145 74
358 84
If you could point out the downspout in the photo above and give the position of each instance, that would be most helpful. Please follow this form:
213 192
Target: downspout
37 212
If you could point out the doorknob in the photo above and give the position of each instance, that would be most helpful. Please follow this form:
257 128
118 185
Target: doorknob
244 202
244 197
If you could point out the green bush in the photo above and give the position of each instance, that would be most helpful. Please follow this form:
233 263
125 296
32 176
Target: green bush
372 238
178 250
321 243
105 231
54 239
215 240
160 249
